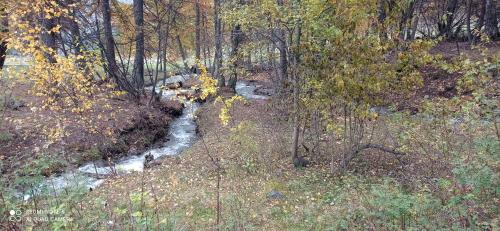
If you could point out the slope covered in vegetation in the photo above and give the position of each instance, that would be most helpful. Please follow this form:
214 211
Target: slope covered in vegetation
249 115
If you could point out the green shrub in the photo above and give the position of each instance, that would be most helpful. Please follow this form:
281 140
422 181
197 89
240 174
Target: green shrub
5 136
243 139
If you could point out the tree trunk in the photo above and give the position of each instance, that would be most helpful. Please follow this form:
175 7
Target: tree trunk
296 93
491 21
468 20
405 20
197 42
49 38
164 58
381 15
481 16
4 29
446 26
109 51
221 81
248 62
416 18
76 41
139 45
236 39
270 57
3 53
183 52
159 61
283 60
207 55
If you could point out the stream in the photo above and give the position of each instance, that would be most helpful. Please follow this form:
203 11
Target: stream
182 134
247 90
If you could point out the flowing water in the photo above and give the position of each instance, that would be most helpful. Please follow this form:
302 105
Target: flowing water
247 90
182 134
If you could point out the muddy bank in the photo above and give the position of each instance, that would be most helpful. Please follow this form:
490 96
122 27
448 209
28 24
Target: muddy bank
153 135
136 128
146 131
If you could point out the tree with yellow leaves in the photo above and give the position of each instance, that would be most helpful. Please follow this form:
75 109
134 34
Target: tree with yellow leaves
67 84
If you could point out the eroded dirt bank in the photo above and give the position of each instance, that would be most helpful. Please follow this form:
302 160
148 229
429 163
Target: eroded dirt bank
24 146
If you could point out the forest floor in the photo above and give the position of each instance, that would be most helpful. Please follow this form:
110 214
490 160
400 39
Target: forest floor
254 163
24 138
259 186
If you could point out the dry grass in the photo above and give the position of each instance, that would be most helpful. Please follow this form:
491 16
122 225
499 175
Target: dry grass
254 161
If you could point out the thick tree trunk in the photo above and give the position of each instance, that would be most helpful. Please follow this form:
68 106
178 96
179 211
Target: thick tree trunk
491 21
221 81
109 50
139 45
197 42
109 42
236 39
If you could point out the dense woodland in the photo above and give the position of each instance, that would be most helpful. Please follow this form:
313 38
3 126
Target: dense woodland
249 115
